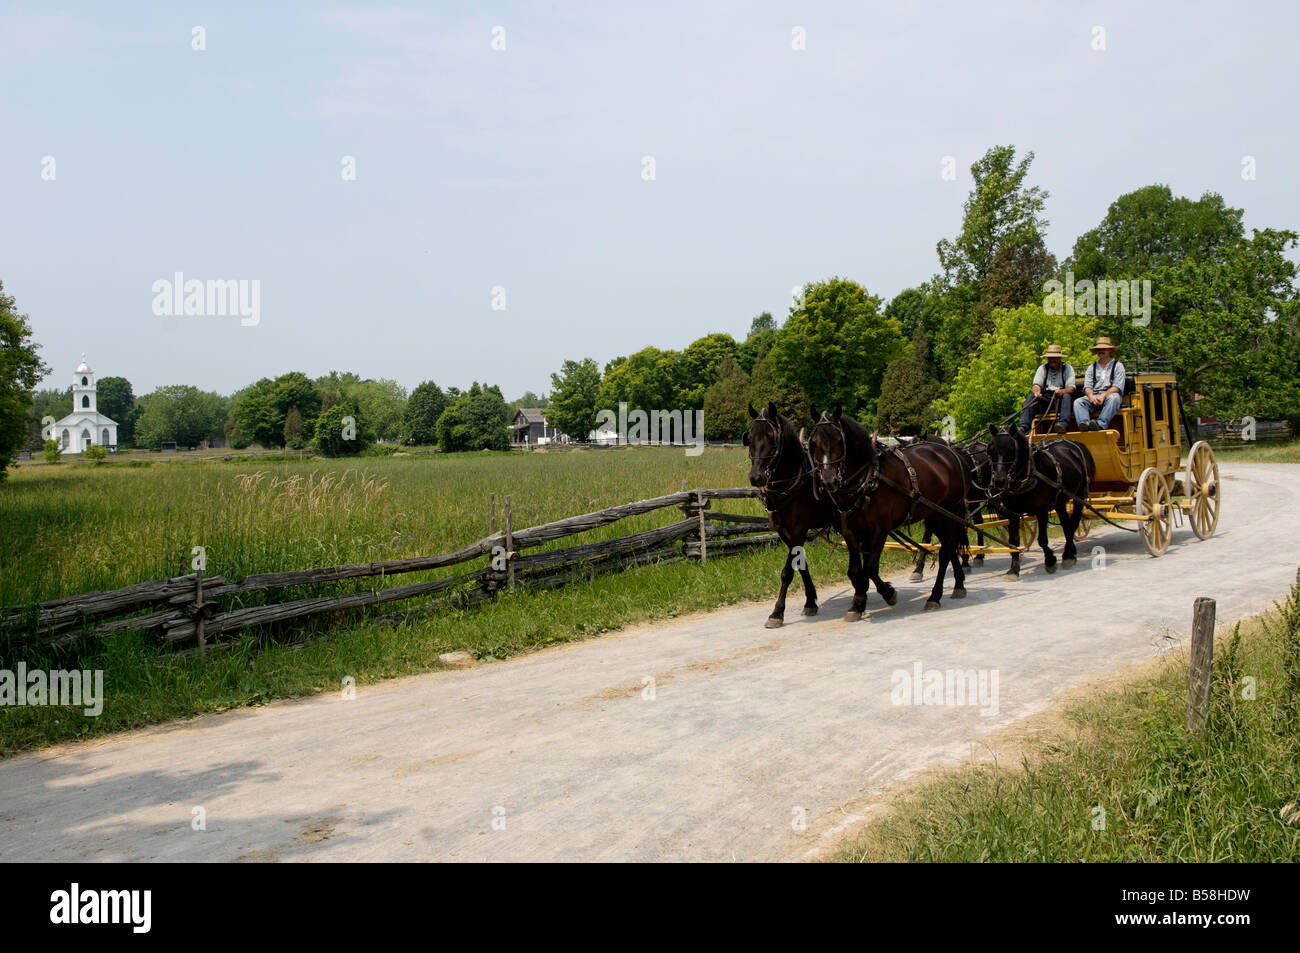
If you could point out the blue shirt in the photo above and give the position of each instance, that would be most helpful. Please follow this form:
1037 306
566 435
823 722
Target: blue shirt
1099 379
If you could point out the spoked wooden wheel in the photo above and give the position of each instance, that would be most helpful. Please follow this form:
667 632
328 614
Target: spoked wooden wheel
1084 528
1201 486
1153 500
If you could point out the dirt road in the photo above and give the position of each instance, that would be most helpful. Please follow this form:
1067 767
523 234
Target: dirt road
756 744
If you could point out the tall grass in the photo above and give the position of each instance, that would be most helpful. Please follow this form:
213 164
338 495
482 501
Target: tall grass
1160 793
74 528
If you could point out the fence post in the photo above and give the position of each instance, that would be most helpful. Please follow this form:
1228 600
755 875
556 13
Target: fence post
704 552
198 610
1198 680
510 547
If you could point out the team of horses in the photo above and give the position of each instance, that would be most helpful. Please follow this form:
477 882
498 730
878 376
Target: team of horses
846 480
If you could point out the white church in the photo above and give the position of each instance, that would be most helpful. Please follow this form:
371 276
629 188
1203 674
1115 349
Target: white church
85 426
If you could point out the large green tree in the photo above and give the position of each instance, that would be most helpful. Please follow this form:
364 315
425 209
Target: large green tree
908 390
836 344
726 402
647 380
698 368
575 395
476 420
116 400
1001 211
420 419
21 369
182 413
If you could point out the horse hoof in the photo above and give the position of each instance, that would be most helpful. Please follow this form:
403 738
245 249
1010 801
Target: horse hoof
1009 574
809 610
892 598
915 577
979 560
1068 561
930 605
959 593
852 616
1051 567
773 623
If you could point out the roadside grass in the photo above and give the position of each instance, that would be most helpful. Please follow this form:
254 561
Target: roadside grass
1231 794
1277 452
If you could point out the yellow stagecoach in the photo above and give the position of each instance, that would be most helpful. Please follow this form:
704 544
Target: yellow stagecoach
1141 477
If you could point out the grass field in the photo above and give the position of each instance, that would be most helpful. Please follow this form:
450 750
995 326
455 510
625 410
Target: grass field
1232 794
1280 452
74 528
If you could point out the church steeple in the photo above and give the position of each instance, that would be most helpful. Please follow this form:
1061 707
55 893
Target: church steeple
83 388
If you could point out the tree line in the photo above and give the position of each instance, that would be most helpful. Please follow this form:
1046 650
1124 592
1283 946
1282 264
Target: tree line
1222 313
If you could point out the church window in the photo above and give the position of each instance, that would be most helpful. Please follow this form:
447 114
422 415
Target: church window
85 401
66 438
85 381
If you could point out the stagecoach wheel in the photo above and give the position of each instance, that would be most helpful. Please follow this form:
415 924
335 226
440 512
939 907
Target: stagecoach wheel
1028 531
1153 500
1201 486
1083 529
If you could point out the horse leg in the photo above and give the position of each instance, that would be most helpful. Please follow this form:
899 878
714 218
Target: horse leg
1068 513
947 547
777 618
958 570
979 536
1013 535
859 580
887 591
918 573
809 590
1049 557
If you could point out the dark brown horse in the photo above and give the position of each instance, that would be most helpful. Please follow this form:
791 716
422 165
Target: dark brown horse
1031 480
975 455
876 489
779 468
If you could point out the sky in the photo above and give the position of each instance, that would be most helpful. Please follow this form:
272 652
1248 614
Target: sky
502 217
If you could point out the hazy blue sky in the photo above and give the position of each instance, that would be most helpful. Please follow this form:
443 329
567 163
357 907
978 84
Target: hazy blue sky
522 168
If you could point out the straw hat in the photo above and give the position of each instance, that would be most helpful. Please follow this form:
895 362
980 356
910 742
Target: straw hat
1053 350
1103 344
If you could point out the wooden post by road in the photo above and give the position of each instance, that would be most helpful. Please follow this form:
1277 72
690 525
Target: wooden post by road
704 552
510 547
198 609
1198 682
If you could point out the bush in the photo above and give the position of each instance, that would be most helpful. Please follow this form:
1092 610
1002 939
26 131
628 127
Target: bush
96 454
52 451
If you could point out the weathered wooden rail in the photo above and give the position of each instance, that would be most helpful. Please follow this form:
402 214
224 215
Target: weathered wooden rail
177 611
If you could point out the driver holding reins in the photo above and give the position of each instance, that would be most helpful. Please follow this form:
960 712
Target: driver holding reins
1053 384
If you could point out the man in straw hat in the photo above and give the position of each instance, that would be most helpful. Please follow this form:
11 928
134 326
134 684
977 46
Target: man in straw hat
1053 385
1103 388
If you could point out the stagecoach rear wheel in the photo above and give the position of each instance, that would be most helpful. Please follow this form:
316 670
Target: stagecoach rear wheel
1028 531
1153 500
1084 528
1201 486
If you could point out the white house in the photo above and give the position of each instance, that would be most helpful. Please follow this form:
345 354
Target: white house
85 426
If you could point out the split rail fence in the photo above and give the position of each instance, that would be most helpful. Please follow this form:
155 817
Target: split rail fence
193 607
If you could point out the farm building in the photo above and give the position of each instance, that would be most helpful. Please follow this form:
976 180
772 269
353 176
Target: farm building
85 426
530 427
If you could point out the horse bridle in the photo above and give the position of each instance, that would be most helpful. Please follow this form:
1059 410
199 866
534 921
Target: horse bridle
782 490
869 472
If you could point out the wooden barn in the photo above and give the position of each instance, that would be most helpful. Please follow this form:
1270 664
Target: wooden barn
530 428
